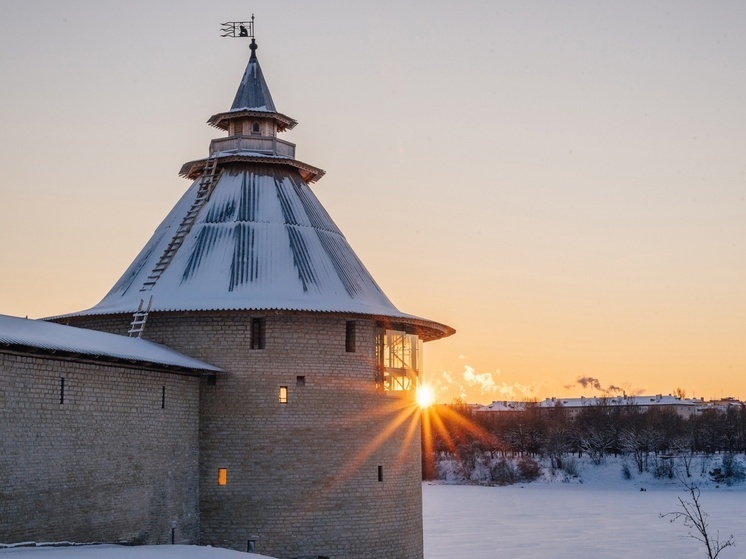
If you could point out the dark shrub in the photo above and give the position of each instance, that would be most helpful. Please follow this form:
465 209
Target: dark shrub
503 472
732 471
528 468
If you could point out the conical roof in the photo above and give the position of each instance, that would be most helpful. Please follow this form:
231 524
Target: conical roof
253 93
261 240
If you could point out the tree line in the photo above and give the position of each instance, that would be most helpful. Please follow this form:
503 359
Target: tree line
651 438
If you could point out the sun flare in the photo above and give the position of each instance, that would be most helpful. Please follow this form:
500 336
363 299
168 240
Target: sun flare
425 396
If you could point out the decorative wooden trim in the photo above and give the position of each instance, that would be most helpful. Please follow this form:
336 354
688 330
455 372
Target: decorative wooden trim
221 120
309 173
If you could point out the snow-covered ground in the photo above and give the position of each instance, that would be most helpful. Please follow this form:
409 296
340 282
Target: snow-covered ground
534 521
604 517
125 552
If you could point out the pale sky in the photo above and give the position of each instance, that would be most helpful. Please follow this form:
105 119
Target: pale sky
562 182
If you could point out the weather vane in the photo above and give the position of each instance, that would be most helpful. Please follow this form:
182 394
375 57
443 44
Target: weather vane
238 29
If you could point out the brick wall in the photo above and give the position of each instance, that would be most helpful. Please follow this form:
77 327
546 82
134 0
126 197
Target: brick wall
107 464
302 477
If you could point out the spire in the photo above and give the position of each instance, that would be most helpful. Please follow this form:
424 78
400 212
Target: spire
257 239
253 93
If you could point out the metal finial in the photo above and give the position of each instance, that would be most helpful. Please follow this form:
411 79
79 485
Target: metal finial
253 46
238 29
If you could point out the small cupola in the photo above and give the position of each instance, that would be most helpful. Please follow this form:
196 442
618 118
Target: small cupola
253 121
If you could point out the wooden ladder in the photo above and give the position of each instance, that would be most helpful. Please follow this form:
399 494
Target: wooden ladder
139 318
210 176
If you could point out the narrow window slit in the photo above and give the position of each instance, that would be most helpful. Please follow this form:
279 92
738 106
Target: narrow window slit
258 327
350 336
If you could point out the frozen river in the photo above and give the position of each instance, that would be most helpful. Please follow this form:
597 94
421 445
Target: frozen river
561 521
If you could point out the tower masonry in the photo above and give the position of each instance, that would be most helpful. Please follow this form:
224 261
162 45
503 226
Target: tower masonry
309 439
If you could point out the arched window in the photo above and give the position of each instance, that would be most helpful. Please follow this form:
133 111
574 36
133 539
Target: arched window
255 128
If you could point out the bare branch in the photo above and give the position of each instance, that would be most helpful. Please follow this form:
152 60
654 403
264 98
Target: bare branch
695 519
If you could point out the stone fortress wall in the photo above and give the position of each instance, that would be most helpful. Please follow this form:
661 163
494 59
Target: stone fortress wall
97 452
334 471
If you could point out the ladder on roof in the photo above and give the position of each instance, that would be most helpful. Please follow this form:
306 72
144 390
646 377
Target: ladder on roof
210 176
139 318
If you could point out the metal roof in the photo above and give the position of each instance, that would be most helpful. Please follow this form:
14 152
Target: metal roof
23 334
253 93
262 241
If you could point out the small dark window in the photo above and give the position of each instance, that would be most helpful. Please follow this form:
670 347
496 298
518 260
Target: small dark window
300 381
283 394
350 336
212 380
163 397
62 390
380 473
255 128
251 546
257 333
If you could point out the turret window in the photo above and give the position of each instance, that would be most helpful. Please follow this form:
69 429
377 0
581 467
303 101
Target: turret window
255 128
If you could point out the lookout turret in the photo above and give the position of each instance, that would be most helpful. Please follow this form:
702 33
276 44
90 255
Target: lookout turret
252 125
308 441
250 233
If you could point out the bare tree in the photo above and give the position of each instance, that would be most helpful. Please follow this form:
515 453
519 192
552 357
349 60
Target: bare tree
596 442
639 443
682 448
695 519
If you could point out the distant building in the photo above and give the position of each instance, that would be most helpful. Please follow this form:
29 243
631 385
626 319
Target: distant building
685 407
271 407
721 404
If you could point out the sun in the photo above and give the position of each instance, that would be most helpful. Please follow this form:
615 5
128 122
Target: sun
425 396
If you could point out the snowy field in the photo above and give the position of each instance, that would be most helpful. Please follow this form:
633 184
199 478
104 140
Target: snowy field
124 552
571 521
604 517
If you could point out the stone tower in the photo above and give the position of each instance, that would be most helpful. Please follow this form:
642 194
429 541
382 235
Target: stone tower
310 440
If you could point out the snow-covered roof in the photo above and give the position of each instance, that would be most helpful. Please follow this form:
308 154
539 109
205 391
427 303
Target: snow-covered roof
262 241
503 406
655 400
22 334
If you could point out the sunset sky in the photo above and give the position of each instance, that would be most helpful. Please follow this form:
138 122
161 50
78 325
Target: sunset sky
562 182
